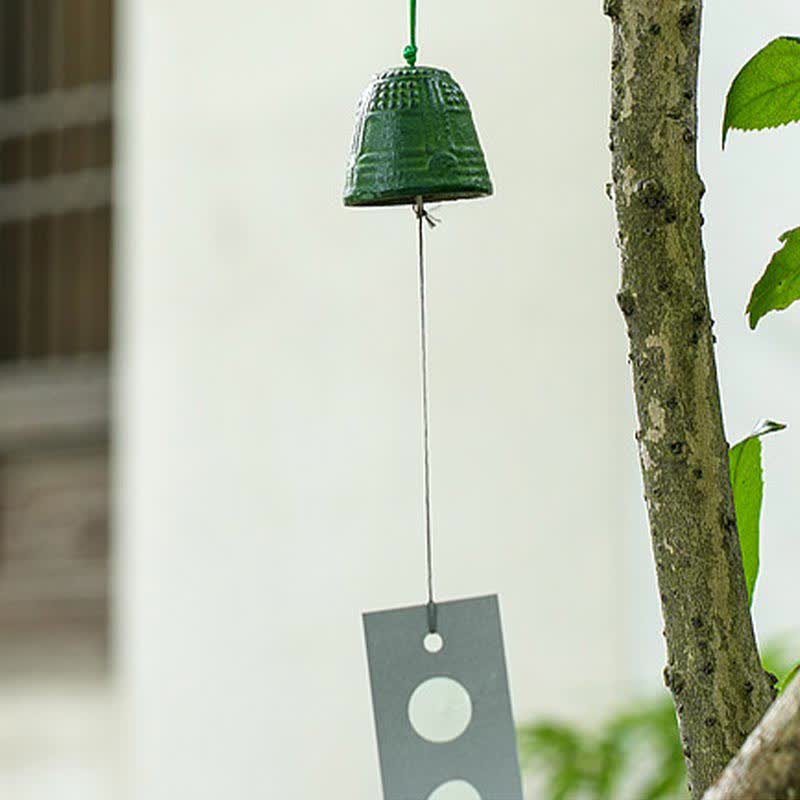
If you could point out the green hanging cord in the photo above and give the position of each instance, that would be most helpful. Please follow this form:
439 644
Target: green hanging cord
410 50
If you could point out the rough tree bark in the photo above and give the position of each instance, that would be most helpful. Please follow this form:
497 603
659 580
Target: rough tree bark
768 765
713 667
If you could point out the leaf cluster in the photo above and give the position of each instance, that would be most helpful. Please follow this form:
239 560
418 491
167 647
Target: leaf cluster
634 754
766 94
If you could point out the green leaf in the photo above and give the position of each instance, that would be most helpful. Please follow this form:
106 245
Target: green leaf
788 677
779 286
638 744
766 92
744 460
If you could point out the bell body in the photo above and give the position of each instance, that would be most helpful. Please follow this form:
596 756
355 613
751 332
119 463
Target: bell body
414 137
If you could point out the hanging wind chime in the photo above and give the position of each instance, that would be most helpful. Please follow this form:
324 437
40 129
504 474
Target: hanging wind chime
440 693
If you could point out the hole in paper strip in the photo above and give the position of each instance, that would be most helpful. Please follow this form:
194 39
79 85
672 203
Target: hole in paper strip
433 642
440 709
455 790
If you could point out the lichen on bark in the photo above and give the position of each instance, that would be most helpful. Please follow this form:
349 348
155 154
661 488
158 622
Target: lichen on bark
713 667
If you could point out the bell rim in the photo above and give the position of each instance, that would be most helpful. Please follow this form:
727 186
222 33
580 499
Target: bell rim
410 198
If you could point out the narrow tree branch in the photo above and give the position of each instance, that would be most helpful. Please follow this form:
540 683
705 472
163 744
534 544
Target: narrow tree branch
768 765
713 667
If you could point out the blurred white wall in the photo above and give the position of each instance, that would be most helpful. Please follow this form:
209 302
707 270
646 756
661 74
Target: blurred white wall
268 402
268 455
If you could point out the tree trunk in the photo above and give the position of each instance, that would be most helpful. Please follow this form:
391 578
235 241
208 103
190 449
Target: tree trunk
713 667
768 765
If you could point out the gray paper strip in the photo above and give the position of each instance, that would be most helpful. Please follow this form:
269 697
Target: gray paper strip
485 754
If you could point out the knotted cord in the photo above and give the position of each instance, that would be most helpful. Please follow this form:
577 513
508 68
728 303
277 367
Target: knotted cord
410 50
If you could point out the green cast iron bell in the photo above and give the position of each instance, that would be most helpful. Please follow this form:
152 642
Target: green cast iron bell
414 137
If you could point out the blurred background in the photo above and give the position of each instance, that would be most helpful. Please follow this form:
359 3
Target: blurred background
209 385
56 76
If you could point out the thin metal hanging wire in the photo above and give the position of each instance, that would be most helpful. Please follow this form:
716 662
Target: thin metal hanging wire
410 55
422 217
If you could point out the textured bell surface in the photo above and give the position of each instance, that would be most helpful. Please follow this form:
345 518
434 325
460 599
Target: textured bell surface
414 136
